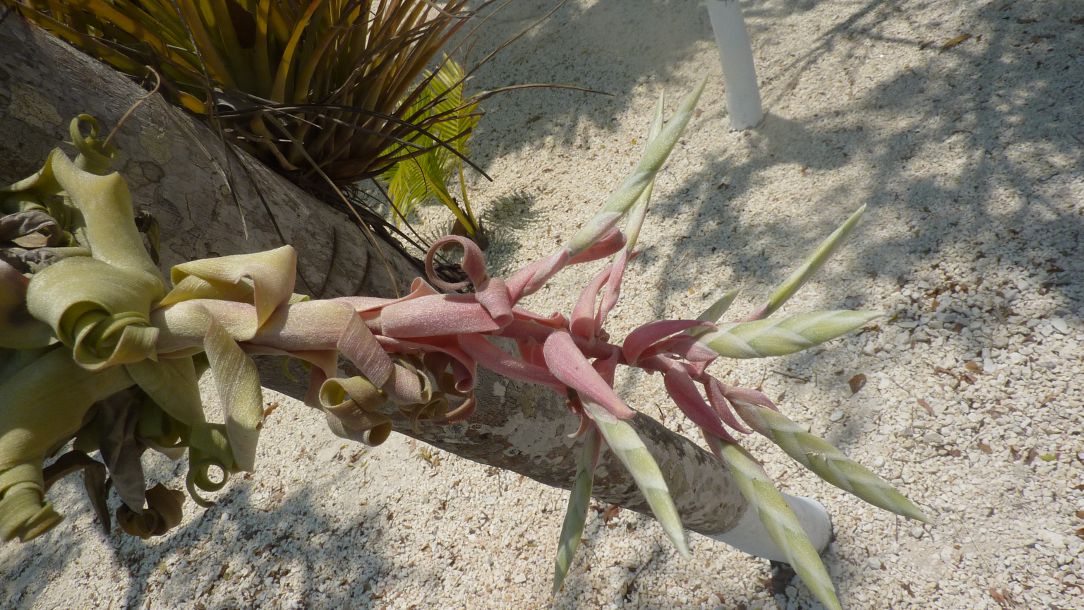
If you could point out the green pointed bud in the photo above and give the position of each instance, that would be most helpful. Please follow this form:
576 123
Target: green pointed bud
579 500
655 154
718 308
802 274
631 451
827 462
762 338
779 519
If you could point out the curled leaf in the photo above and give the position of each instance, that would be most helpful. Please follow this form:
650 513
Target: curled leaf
101 311
36 415
264 279
351 407
164 512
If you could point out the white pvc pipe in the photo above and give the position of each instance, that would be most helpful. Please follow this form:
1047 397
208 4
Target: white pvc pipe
739 74
750 536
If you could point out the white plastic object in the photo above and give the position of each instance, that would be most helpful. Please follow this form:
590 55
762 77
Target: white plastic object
739 74
750 536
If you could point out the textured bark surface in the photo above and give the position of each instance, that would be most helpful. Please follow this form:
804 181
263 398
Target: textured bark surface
177 170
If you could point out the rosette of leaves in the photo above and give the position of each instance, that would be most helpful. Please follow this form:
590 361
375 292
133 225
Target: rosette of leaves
314 88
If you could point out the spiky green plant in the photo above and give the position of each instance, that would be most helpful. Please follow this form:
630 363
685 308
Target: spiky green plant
424 178
312 87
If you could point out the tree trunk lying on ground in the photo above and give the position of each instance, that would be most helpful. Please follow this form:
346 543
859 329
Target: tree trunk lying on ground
177 170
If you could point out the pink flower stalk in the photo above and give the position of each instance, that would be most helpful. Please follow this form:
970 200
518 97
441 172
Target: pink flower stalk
571 355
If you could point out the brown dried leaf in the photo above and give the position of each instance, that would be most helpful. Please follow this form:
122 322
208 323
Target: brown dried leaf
270 408
610 513
925 406
983 447
1002 597
1031 455
857 383
96 484
973 366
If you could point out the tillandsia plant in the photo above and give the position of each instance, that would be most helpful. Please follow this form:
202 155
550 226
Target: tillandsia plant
84 304
314 88
424 178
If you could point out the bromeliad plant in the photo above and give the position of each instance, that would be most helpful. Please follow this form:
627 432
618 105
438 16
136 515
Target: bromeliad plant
315 88
98 350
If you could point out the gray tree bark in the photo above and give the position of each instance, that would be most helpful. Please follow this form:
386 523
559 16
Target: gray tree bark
177 170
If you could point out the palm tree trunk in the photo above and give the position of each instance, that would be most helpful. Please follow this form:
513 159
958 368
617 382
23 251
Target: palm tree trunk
178 170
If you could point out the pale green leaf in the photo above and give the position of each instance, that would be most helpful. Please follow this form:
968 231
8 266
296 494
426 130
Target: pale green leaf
42 406
718 308
631 451
655 154
639 209
106 207
579 500
264 279
238 384
778 337
173 385
827 462
791 285
779 520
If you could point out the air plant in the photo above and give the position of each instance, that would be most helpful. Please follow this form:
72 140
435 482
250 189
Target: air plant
324 88
424 177
83 303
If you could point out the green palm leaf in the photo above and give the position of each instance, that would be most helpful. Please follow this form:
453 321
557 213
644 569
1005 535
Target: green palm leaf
422 178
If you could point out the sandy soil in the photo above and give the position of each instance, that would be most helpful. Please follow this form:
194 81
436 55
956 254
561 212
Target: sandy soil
969 157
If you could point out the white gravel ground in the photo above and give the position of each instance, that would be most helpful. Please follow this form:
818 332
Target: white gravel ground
969 157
